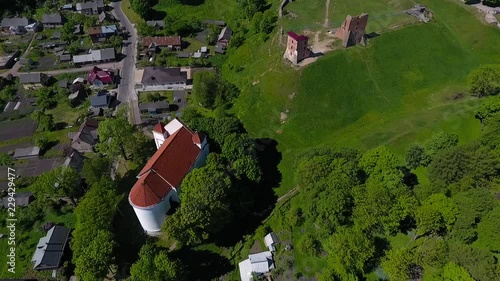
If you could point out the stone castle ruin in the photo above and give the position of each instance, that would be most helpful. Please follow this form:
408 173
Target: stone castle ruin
352 30
296 48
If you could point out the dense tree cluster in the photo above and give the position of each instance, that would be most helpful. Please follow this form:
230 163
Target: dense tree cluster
211 91
485 80
92 242
57 183
353 199
217 194
156 264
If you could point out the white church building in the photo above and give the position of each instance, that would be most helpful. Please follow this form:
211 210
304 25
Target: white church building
179 151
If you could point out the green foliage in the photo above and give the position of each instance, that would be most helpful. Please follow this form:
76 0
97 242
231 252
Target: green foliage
114 136
438 212
480 263
5 159
93 262
57 183
349 250
205 208
492 3
42 143
309 245
250 7
238 149
268 21
397 262
489 231
45 122
156 264
210 90
27 217
454 272
416 156
96 168
440 142
140 148
116 41
142 7
485 80
45 98
487 108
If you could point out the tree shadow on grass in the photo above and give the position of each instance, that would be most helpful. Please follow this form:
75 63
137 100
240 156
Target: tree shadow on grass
255 202
203 264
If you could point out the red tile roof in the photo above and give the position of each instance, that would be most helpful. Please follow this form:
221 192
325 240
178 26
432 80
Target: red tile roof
164 41
159 128
297 37
106 77
198 138
165 170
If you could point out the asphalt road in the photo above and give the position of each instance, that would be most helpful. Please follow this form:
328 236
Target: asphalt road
126 91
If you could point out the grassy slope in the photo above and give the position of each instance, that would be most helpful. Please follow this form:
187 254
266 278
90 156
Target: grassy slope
196 9
394 92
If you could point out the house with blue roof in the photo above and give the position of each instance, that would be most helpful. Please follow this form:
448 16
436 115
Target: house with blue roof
102 33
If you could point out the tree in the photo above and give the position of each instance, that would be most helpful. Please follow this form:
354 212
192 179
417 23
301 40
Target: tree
140 148
440 142
250 7
96 168
309 245
492 3
155 264
213 32
116 41
487 108
480 263
93 263
57 183
416 156
205 208
8 93
489 232
5 159
238 149
205 88
114 135
268 21
43 143
142 7
45 98
454 272
350 249
397 262
485 80
255 26
45 122
438 212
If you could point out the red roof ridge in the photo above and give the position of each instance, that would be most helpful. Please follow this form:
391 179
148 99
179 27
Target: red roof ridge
159 128
296 36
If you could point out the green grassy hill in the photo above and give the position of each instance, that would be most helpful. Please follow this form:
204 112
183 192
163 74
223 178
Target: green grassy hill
404 87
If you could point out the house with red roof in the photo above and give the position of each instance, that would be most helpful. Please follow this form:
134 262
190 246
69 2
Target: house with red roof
99 77
296 47
157 187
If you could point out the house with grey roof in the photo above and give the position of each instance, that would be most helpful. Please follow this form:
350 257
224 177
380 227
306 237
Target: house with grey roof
15 25
26 153
157 78
86 137
50 249
258 264
100 101
9 60
96 56
21 199
158 24
103 16
90 8
271 239
33 80
74 161
52 20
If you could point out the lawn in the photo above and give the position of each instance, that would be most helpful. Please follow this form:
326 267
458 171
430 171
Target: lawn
131 14
400 89
311 14
198 9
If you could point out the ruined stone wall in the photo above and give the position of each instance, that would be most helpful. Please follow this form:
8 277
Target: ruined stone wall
352 30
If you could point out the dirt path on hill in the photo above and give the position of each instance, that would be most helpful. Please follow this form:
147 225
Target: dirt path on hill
325 24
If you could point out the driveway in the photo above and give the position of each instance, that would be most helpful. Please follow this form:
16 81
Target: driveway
126 89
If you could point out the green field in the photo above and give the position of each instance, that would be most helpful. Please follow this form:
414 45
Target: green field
197 9
402 88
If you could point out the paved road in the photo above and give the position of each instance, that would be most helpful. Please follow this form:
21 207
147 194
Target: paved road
126 91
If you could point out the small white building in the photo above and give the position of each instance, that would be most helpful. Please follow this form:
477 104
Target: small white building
157 187
271 240
259 264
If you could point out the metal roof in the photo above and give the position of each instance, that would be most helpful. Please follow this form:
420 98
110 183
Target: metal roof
50 248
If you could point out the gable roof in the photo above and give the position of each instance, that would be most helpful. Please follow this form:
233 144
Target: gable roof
259 263
161 41
153 105
50 248
8 22
51 18
156 23
94 5
74 160
165 170
96 55
225 33
155 75
159 128
99 100
28 78
105 16
98 74
297 37
86 134
22 199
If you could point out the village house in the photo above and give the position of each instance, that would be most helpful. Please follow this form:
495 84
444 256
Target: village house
86 137
352 30
103 16
50 249
90 8
74 161
157 78
77 91
14 25
67 7
223 40
179 151
9 60
22 199
102 33
52 20
101 101
157 24
170 42
296 47
96 56
98 77
271 240
258 264
34 80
